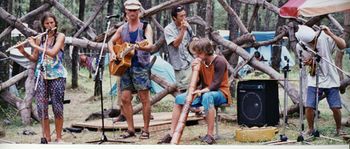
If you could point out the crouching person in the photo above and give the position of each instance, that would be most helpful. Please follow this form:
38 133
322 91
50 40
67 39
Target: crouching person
213 91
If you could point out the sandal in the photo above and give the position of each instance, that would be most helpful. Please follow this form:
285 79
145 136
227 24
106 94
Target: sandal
208 139
127 134
144 135
340 132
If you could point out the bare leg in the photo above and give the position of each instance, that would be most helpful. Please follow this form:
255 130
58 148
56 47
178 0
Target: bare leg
127 107
337 118
46 127
210 120
59 126
146 107
309 112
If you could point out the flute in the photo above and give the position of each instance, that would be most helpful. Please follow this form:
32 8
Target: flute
26 41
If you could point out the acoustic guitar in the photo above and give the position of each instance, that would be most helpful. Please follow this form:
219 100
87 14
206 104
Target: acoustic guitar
124 53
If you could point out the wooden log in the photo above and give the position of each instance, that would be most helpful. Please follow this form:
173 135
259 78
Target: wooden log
335 23
13 80
27 17
166 5
13 101
13 21
156 98
185 108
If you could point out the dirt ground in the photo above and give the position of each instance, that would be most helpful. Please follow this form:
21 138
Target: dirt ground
80 107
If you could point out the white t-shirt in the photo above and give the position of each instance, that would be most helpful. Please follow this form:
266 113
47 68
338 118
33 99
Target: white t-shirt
328 74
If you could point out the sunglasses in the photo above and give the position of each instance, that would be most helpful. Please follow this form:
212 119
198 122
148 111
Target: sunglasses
179 8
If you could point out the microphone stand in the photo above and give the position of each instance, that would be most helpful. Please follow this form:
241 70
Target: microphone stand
43 139
317 60
301 101
98 82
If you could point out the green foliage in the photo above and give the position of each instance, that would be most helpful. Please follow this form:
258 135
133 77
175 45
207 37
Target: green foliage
220 17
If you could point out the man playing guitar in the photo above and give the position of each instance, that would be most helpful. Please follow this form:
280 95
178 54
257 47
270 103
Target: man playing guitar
136 78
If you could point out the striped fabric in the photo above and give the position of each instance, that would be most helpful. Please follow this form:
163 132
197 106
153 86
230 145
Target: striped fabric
311 8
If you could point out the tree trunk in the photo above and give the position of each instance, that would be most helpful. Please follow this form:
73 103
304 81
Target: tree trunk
209 16
267 20
26 104
3 24
265 4
245 15
75 52
146 4
277 54
232 13
276 57
281 21
233 60
254 18
345 36
34 4
201 12
110 7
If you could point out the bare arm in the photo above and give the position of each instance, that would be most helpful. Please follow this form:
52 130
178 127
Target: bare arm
115 38
55 49
32 57
340 42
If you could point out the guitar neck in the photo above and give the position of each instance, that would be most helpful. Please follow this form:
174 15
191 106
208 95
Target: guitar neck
133 47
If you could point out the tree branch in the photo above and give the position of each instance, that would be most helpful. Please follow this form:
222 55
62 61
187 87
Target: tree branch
97 10
71 17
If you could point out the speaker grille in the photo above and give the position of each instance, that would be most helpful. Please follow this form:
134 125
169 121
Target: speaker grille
251 106
257 103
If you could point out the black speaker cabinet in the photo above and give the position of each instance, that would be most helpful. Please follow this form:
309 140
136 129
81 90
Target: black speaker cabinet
257 103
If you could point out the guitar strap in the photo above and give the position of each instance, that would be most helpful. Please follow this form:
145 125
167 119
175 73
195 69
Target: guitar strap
144 29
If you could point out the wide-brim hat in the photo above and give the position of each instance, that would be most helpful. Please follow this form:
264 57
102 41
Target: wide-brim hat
132 5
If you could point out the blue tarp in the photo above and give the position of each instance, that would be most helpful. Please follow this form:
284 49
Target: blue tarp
265 51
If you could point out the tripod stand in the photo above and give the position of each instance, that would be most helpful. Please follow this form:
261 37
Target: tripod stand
98 82
283 136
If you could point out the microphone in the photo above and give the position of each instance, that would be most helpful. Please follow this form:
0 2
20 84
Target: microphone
112 16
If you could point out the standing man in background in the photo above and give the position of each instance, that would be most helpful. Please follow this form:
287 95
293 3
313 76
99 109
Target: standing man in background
178 35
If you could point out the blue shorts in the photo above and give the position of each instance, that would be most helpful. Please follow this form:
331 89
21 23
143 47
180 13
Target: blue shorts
136 78
207 100
332 95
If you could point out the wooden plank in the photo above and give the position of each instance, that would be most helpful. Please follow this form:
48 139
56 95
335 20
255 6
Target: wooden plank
161 121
